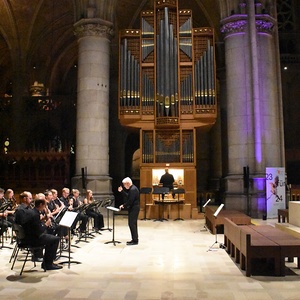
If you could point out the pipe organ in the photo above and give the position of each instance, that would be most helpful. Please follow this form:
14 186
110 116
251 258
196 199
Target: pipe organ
167 86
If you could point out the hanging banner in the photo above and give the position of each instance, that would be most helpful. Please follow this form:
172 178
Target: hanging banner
275 191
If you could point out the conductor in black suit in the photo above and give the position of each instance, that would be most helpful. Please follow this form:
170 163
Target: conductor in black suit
132 204
167 180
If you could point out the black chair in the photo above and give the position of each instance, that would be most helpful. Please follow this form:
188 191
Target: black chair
20 245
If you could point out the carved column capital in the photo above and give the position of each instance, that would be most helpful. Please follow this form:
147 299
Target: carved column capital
94 27
233 25
238 23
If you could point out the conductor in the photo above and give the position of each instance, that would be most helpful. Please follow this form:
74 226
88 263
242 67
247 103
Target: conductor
167 180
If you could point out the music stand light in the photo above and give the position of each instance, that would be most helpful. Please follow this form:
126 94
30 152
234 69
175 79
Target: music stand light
222 246
145 191
205 204
160 191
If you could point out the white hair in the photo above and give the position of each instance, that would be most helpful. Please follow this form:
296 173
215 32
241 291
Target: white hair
127 180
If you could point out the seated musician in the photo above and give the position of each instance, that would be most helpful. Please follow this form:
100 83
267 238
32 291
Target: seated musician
74 205
35 235
92 212
65 196
35 229
9 196
4 224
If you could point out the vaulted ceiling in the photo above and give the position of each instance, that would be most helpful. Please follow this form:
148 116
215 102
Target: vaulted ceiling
37 39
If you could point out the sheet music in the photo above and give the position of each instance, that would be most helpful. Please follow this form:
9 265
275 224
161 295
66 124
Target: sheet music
68 218
113 208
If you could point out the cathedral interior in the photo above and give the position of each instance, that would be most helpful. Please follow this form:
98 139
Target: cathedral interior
39 94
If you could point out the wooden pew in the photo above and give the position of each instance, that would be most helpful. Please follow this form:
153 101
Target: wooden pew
232 239
248 242
213 222
289 245
254 245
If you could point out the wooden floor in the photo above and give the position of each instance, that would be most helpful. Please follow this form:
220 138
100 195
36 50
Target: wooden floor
172 261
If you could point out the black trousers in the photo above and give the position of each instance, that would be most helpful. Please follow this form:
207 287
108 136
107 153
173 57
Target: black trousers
98 218
51 244
133 215
83 221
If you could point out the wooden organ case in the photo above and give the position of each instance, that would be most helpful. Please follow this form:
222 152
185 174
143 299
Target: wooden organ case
167 88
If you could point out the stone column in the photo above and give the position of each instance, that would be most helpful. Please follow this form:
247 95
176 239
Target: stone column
92 140
254 125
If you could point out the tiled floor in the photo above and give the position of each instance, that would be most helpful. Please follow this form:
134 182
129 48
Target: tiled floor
172 261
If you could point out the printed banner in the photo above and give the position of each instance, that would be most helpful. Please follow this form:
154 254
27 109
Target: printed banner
275 191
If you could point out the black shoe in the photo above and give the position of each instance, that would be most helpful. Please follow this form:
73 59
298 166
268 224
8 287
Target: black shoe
36 259
128 243
132 243
51 267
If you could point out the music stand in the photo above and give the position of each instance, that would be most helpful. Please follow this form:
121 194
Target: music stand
178 192
106 203
113 209
67 221
81 210
91 207
145 191
160 191
216 241
205 204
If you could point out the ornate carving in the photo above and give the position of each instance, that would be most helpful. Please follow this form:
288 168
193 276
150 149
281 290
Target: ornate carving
94 27
264 26
238 24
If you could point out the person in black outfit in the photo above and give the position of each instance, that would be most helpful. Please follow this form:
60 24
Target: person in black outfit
92 212
167 180
35 230
132 204
74 205
4 224
65 196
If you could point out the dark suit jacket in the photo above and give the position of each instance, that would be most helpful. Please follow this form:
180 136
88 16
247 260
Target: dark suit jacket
33 227
132 197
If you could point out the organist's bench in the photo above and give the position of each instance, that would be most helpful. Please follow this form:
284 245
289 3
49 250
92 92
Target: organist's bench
247 242
212 222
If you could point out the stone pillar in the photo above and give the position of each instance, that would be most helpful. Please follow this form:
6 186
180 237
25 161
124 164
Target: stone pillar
253 113
92 140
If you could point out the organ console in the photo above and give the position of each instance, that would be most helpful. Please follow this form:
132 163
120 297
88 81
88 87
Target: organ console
167 88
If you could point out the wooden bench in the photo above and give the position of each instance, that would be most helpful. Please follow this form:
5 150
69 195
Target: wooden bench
253 246
248 242
289 245
212 222
232 239
282 214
